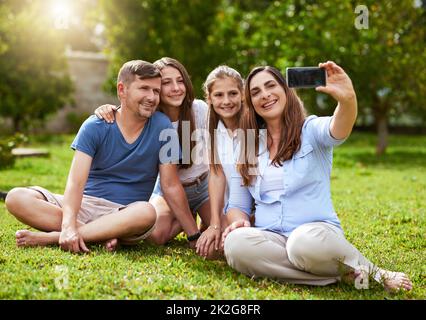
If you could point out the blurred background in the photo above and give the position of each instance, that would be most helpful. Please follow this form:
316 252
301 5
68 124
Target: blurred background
59 58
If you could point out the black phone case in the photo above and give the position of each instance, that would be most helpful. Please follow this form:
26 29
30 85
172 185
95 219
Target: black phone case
306 77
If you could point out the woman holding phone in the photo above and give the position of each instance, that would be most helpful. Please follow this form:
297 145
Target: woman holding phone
297 236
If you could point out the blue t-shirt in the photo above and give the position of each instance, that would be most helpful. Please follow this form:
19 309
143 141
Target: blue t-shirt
121 172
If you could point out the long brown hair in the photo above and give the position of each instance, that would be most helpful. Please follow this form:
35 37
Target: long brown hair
185 111
220 72
292 118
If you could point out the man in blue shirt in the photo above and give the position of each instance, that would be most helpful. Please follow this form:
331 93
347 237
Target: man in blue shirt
112 176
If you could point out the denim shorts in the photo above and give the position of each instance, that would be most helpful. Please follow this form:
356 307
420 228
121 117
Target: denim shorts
196 194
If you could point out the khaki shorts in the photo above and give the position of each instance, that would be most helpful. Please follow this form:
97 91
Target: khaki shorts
91 209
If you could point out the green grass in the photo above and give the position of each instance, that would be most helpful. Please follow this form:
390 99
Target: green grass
381 203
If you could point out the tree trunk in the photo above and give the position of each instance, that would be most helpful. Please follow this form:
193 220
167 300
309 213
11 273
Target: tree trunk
382 133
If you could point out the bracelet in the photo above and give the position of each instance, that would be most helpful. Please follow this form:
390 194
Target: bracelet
214 227
194 237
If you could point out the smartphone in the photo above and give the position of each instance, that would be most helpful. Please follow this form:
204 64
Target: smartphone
305 77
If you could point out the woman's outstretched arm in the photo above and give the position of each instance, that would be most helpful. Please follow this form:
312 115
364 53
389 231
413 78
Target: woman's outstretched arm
340 87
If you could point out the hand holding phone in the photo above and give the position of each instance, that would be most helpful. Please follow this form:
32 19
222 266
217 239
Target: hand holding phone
306 77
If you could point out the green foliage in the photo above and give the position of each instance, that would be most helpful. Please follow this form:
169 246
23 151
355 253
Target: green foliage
80 34
7 159
33 72
149 30
386 62
381 203
75 120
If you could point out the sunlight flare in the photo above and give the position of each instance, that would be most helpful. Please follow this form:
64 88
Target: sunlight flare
61 11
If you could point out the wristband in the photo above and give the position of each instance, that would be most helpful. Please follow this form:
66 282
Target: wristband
214 227
193 237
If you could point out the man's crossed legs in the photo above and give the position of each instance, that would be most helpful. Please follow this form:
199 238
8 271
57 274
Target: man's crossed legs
98 220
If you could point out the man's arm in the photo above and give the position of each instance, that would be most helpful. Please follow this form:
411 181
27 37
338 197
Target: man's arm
175 196
70 239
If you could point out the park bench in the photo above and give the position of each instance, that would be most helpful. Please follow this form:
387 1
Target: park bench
28 152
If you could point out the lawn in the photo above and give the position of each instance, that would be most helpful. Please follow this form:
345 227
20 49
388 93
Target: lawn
381 203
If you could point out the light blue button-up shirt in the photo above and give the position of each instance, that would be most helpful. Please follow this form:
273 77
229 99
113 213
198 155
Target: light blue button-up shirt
306 194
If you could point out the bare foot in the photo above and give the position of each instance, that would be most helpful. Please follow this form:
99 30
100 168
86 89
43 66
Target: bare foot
111 245
26 238
394 281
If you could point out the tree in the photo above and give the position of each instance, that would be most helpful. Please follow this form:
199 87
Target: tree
149 30
386 61
34 80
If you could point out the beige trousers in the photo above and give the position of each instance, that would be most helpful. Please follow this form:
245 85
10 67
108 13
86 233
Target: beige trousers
314 254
